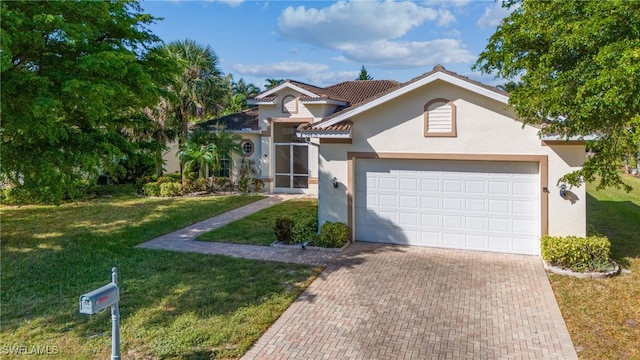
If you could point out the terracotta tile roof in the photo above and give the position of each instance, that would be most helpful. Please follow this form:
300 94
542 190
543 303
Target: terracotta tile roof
342 126
358 91
437 68
246 119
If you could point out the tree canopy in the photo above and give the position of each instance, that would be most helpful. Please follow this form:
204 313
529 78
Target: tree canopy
364 74
74 75
577 66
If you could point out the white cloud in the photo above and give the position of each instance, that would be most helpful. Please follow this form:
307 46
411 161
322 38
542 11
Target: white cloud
446 18
371 32
347 22
493 15
409 54
232 3
284 69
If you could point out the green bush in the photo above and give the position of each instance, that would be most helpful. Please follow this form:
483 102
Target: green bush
576 253
79 189
151 189
198 185
282 229
170 189
305 223
169 178
333 235
243 185
23 196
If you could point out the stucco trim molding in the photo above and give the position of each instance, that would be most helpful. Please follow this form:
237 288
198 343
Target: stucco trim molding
543 173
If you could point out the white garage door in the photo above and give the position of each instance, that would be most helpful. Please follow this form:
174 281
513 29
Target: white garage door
476 205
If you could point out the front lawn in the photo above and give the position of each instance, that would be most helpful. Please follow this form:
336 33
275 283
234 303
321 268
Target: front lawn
257 229
603 316
173 305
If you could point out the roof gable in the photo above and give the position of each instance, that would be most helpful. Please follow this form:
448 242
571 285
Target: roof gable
438 73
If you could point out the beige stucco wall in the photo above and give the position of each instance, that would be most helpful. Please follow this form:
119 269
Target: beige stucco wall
266 114
483 127
172 163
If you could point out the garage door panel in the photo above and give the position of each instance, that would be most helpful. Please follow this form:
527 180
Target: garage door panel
386 200
409 202
476 223
429 185
430 220
408 184
452 221
451 204
475 187
450 186
430 202
475 205
498 206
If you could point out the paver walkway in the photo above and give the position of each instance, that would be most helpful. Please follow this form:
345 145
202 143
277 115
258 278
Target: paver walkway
377 301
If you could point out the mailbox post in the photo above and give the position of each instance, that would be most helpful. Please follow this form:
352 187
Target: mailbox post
98 300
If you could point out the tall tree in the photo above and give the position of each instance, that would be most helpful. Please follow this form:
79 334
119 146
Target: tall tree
199 88
576 64
364 75
74 74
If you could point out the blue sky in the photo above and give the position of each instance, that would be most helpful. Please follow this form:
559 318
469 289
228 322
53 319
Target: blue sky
326 42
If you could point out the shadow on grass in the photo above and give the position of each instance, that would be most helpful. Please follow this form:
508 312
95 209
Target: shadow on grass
620 222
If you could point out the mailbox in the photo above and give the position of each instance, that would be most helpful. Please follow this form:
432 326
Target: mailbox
99 299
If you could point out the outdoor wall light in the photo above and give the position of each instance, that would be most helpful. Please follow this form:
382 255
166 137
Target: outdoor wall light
563 190
334 182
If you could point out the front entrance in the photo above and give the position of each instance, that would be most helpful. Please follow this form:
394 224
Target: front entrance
292 167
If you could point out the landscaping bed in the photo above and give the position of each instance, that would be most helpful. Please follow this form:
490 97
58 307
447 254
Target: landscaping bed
603 315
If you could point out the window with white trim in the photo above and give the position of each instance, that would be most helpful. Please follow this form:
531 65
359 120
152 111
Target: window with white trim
440 118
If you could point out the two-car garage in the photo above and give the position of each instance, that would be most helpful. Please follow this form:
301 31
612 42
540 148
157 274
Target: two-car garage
475 205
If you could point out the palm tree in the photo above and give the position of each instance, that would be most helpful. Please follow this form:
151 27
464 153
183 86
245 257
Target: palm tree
198 87
199 151
273 82
364 75
227 143
248 90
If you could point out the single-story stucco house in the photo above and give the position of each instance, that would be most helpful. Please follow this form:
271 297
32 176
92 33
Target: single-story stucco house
437 161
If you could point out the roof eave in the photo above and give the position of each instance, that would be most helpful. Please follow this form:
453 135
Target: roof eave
324 102
324 134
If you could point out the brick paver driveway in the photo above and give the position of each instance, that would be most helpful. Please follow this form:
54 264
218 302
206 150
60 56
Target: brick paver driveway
396 302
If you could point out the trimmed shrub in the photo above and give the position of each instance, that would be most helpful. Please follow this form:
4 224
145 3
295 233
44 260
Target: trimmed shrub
23 196
305 223
198 185
282 229
151 189
577 253
170 189
333 235
169 178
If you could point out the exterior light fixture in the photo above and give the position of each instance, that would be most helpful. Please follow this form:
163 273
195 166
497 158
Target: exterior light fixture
334 182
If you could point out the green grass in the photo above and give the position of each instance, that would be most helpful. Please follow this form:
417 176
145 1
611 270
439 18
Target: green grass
173 305
257 229
603 316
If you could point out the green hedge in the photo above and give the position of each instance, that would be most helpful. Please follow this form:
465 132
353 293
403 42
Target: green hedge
170 189
333 235
305 224
577 253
